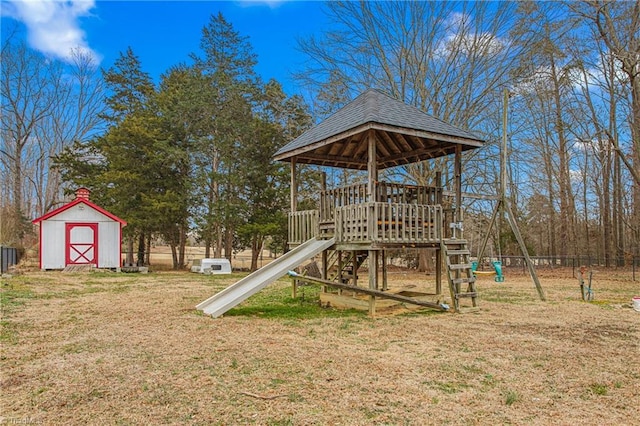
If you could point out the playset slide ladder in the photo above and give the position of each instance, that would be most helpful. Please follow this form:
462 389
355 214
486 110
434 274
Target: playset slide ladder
231 296
459 272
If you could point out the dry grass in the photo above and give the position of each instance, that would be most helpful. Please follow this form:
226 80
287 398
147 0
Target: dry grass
104 348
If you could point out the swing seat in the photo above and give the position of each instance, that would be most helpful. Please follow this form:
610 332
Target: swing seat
484 272
497 271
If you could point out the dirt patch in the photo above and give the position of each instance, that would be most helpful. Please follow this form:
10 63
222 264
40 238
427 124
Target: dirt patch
101 348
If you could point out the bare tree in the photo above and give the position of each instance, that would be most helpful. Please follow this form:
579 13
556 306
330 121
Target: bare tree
26 102
80 104
618 26
46 105
546 81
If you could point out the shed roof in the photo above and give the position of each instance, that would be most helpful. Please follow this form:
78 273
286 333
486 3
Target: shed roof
403 133
76 202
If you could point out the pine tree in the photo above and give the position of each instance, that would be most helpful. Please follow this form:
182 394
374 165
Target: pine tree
130 87
227 63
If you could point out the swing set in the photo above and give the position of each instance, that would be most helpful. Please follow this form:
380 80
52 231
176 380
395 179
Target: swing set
503 208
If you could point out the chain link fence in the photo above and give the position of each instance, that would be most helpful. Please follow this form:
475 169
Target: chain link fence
628 263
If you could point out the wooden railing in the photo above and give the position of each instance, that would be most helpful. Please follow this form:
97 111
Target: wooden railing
400 214
303 225
331 199
408 194
388 223
343 196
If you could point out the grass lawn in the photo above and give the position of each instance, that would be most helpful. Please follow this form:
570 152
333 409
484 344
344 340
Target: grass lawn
128 349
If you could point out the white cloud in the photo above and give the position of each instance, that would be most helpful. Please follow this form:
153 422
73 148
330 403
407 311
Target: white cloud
462 37
52 25
272 4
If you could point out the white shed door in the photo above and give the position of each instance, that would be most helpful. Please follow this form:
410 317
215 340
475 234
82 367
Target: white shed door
82 243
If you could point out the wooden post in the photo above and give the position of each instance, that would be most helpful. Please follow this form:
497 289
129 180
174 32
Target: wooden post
354 262
385 287
324 274
525 253
438 250
294 186
458 182
372 168
373 279
340 269
504 154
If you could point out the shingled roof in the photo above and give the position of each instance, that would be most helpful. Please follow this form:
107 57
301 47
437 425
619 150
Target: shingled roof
404 134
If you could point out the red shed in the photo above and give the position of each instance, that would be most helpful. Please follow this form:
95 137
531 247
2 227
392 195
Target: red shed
80 233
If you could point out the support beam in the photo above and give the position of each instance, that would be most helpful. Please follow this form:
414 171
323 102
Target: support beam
385 285
372 167
439 271
373 280
458 182
525 253
294 186
372 293
354 263
439 259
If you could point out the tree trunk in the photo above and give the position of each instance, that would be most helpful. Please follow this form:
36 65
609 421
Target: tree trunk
129 257
207 247
567 201
141 247
256 246
147 254
174 255
182 247
618 216
424 260
228 244
219 242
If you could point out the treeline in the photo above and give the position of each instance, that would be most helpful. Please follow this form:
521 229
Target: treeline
573 73
190 157
193 154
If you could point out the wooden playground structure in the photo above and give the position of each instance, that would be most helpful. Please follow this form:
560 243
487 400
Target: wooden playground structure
367 220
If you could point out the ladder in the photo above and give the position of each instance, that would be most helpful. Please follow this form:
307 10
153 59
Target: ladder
462 281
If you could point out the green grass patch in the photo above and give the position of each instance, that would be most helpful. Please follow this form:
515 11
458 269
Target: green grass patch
511 397
598 389
276 302
447 387
12 296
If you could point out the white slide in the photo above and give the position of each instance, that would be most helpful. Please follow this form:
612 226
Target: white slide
231 296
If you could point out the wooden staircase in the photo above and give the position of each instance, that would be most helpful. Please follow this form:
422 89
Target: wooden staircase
345 264
462 281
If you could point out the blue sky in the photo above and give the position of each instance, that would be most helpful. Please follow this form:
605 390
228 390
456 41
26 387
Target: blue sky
163 33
